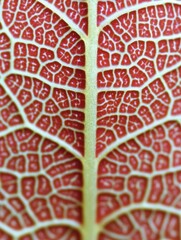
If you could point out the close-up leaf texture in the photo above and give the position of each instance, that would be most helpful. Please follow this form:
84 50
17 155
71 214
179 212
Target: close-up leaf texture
90 120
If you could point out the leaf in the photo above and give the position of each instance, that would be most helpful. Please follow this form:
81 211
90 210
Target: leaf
90 107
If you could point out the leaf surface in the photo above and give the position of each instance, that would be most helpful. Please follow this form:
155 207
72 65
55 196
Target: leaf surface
90 109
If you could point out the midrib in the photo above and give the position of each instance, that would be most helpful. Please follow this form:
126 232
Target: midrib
89 161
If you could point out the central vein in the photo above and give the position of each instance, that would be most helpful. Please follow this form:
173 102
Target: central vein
89 162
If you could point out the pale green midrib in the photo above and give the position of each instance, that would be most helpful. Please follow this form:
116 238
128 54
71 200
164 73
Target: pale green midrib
89 161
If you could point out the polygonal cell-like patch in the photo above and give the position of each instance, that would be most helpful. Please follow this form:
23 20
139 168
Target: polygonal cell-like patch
53 53
33 59
56 232
120 113
145 57
4 235
56 111
40 182
149 68
108 7
34 22
141 170
77 11
50 233
143 224
4 53
172 79
9 114
143 61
